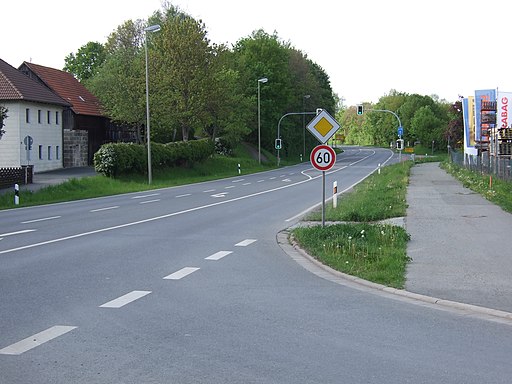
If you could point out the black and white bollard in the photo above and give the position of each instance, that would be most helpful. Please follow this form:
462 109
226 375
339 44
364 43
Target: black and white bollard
335 194
239 170
16 194
379 168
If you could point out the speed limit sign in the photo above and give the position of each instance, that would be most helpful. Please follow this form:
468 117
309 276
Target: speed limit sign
323 157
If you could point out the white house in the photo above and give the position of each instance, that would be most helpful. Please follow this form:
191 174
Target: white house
33 127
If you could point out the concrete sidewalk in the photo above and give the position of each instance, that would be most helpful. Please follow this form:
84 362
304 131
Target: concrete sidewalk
461 244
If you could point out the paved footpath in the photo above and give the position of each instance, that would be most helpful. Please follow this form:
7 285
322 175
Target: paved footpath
461 244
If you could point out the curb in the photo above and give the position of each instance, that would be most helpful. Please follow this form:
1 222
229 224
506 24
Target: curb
293 250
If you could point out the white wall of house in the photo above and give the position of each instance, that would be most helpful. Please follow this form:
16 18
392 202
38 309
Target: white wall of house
44 125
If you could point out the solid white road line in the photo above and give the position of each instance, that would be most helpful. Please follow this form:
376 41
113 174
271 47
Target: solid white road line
104 209
151 219
245 243
181 273
17 232
125 299
36 340
219 255
43 219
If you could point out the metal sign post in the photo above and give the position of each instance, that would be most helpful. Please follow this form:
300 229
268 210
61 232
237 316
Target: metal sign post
323 158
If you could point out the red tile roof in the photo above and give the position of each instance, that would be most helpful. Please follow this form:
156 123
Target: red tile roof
69 88
14 85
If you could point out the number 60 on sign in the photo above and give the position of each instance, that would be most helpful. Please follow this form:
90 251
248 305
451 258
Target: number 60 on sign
323 157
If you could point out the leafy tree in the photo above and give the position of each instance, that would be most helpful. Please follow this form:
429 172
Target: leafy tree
3 116
182 57
86 62
120 81
454 133
426 126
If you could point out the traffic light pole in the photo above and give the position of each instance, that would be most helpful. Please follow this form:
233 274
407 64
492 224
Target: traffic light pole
279 130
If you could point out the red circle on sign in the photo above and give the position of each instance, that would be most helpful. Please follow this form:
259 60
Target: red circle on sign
323 157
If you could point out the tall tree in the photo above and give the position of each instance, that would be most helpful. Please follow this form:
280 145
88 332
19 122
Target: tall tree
182 57
119 83
86 62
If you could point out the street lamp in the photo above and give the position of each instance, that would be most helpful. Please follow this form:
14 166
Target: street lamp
262 80
152 28
304 121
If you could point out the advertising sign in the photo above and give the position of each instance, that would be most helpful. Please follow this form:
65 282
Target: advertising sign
503 119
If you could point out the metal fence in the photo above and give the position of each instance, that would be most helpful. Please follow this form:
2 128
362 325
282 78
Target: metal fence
500 167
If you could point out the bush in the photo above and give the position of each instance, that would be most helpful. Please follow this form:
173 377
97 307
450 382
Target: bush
113 160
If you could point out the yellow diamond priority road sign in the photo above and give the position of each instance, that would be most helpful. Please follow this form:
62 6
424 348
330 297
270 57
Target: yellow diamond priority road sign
323 126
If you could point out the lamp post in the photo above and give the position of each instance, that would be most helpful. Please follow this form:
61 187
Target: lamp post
262 80
304 123
152 28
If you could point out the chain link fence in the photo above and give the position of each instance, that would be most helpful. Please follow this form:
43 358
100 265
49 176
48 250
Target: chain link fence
498 166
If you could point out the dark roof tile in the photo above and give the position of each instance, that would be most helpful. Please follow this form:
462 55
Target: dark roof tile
68 87
14 85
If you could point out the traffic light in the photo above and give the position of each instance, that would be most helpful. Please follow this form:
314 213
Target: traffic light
278 144
360 109
400 144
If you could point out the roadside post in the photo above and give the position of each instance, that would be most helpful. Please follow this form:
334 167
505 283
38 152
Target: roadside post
323 126
16 194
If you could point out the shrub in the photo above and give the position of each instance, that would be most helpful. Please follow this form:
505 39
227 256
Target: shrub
121 158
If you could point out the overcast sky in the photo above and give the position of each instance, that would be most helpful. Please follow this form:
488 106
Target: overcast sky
442 47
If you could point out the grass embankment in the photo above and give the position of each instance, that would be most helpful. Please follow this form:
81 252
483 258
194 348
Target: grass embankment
215 168
495 190
359 246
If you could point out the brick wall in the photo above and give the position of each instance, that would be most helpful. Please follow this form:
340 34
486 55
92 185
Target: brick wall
75 148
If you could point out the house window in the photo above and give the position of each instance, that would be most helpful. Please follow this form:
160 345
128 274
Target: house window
57 117
27 115
57 154
48 117
40 152
49 152
39 116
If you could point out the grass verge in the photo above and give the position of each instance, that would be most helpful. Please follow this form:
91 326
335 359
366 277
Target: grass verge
360 246
495 190
214 168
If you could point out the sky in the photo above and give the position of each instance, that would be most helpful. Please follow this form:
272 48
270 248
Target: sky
367 47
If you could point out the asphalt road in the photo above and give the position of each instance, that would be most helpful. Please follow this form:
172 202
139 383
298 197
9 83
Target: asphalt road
189 285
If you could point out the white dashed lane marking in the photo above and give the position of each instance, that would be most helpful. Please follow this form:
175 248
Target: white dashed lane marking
125 299
181 273
144 196
245 243
104 209
17 232
42 219
184 195
219 255
149 201
36 340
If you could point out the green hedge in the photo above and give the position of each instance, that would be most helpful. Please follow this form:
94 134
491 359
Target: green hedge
114 159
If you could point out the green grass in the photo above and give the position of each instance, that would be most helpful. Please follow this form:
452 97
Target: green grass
214 168
378 197
498 192
359 246
372 252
